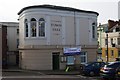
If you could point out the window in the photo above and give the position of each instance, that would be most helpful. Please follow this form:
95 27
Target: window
26 28
118 39
98 34
117 29
17 43
106 41
112 53
93 30
105 52
96 64
33 27
118 53
111 41
83 57
41 27
70 60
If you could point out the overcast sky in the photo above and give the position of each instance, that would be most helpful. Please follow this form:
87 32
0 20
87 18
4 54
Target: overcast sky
107 9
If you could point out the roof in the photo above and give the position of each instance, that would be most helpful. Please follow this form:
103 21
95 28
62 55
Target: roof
10 24
56 7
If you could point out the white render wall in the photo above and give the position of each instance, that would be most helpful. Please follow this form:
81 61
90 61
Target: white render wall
75 29
12 38
12 35
118 10
0 50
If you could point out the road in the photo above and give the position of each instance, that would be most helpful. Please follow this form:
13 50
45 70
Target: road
41 76
49 77
46 78
42 79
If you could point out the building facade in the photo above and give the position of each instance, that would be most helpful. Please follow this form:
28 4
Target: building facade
3 46
102 28
12 33
47 30
0 47
119 10
113 41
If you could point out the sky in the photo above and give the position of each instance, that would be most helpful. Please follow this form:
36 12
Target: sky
107 9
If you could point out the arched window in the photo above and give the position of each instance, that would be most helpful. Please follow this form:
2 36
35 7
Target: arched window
33 27
26 27
41 27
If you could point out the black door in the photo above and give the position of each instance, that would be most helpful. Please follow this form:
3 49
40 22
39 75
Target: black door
55 61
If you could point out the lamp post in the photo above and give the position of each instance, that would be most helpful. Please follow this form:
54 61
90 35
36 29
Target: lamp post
107 47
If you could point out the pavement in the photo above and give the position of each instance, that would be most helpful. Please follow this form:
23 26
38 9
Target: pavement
21 74
42 72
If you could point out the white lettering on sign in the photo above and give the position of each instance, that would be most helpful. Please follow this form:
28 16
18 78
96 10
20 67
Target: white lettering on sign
74 50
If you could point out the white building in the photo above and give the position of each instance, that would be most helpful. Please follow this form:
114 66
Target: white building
119 10
12 42
46 30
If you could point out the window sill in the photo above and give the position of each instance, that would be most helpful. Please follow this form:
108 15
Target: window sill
34 38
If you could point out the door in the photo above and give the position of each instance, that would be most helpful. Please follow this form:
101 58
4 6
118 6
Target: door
55 61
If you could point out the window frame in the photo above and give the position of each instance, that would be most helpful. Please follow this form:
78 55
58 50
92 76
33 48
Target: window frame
106 41
112 52
33 24
118 53
83 55
41 27
93 30
106 52
111 41
70 62
118 40
26 28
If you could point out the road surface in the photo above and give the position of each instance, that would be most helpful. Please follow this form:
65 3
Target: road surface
41 76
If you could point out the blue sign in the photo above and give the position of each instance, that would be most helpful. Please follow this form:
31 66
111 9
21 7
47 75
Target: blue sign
72 51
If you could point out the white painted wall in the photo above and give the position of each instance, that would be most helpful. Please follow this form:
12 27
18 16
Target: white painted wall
12 37
118 10
75 29
70 31
0 50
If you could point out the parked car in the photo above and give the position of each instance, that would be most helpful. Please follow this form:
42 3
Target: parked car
92 68
118 73
109 70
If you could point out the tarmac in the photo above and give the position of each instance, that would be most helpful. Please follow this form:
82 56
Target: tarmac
42 72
